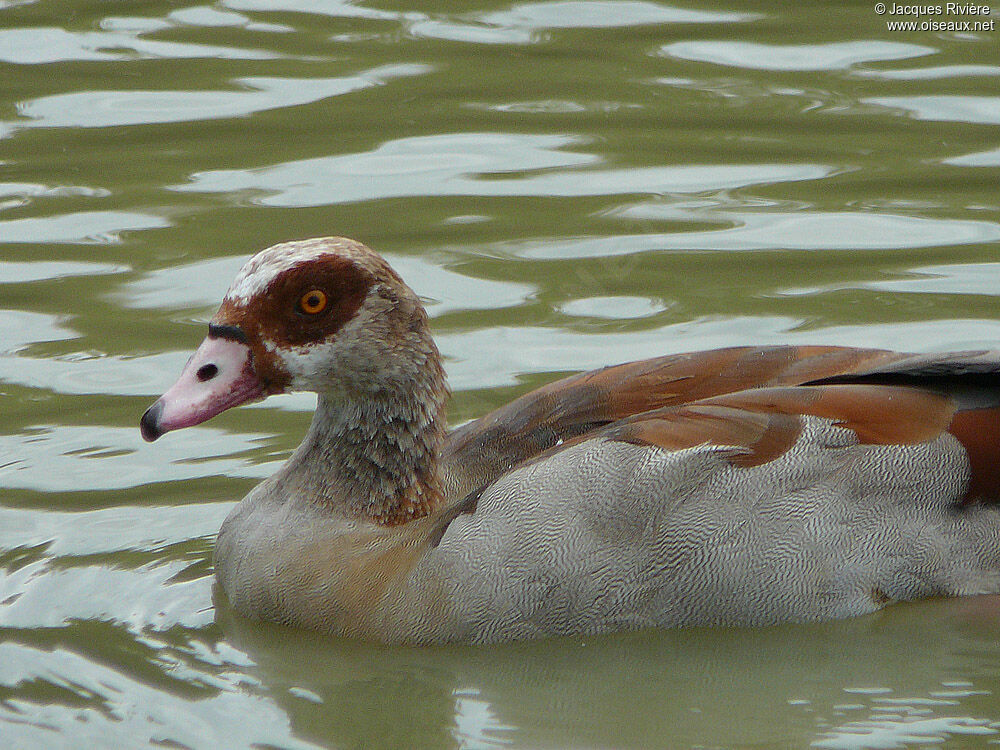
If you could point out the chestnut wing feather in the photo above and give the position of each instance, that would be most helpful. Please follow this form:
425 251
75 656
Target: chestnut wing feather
764 423
479 452
724 390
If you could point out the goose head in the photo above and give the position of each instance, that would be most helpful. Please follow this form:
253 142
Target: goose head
327 315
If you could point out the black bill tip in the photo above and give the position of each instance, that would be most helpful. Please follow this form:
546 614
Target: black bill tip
149 425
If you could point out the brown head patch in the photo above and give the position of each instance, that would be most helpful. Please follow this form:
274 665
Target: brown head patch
275 314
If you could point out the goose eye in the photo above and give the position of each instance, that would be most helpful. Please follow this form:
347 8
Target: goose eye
313 302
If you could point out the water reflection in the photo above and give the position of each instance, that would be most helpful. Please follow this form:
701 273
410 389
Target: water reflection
495 357
102 227
335 8
126 528
526 23
777 57
17 194
212 17
770 230
148 597
66 458
39 45
982 159
567 184
13 272
119 704
100 109
973 109
969 278
582 14
930 73
614 308
500 356
540 694
21 328
479 164
887 728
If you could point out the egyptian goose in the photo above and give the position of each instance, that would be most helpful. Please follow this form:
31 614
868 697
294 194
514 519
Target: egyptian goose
743 486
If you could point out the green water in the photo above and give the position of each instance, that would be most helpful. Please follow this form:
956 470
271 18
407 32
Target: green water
568 184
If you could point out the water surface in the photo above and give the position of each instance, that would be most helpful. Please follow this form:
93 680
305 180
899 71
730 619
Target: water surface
567 184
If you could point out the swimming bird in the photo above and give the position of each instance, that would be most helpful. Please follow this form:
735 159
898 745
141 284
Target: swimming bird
744 486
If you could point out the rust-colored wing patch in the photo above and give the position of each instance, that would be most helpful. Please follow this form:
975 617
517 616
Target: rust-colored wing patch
978 430
877 414
479 452
756 437
764 423
756 405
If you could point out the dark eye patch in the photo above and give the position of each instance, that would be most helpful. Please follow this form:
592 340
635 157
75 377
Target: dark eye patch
280 310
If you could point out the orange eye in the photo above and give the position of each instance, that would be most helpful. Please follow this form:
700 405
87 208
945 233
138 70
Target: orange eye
313 302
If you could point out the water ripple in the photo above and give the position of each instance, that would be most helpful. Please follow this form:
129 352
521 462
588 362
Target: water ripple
18 194
966 278
798 57
82 227
455 165
213 17
107 530
111 705
815 230
66 458
947 108
335 8
96 109
930 74
612 308
980 159
12 272
527 22
21 328
902 731
39 45
499 356
40 596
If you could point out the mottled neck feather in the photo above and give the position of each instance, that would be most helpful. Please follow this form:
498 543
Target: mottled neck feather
374 456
